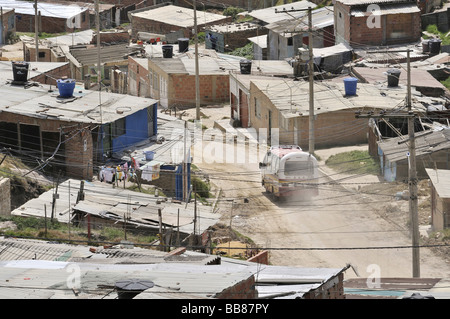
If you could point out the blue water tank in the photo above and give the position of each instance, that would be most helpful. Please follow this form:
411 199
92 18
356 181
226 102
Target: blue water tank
66 87
350 85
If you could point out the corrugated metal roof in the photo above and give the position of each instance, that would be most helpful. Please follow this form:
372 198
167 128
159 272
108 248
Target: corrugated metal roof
46 9
367 2
187 274
108 53
321 18
441 181
419 77
102 197
427 142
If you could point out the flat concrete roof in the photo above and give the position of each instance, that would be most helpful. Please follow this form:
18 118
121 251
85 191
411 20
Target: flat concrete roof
179 16
43 101
292 97
419 77
268 15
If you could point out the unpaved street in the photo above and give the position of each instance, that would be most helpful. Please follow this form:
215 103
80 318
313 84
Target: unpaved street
332 230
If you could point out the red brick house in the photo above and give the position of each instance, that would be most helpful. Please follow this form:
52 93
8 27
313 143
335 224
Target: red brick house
376 22
165 19
172 81
138 80
53 18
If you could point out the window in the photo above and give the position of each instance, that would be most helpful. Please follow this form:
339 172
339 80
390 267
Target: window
290 41
118 128
295 167
41 54
257 108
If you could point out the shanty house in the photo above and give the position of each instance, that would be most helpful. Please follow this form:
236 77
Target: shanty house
376 22
227 37
138 80
240 87
286 36
72 133
259 47
440 198
166 18
282 108
84 60
172 81
53 18
152 274
7 25
432 151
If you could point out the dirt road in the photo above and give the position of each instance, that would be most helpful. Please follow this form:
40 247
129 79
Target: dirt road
336 228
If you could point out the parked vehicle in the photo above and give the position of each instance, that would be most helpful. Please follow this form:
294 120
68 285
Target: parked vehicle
288 171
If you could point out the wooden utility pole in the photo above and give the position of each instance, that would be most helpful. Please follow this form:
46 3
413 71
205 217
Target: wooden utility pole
413 201
310 73
311 84
36 29
99 70
412 171
197 79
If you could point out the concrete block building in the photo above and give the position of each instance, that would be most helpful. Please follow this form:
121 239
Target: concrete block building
376 22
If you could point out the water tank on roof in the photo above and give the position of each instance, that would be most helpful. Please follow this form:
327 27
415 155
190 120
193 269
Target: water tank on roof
183 45
167 51
246 66
20 71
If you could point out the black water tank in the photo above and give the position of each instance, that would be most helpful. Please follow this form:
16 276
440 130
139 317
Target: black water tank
393 77
246 66
435 46
129 288
20 71
167 51
183 45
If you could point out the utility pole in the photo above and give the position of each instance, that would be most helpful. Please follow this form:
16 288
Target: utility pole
99 70
197 79
36 29
412 171
311 83
310 73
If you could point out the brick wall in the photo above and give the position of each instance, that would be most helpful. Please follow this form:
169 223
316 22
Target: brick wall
79 153
330 129
332 289
5 196
394 28
110 37
214 89
146 25
138 78
49 24
57 73
244 289
261 258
